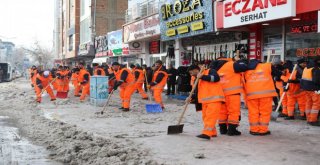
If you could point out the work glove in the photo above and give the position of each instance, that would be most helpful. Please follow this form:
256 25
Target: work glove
286 89
40 86
293 81
116 85
84 82
32 85
153 84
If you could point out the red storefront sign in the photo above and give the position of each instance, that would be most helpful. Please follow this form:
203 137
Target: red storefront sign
308 52
154 47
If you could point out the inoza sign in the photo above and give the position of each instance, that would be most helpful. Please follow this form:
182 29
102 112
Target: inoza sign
244 12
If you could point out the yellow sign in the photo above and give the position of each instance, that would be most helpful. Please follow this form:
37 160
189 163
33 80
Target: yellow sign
171 32
197 26
183 29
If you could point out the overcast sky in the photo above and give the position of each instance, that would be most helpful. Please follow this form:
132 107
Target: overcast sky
24 21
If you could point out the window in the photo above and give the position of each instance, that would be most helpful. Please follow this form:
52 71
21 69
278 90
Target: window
85 33
272 40
71 41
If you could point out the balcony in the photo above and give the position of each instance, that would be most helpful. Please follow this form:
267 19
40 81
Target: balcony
141 10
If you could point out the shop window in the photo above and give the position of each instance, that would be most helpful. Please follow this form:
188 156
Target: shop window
272 41
71 43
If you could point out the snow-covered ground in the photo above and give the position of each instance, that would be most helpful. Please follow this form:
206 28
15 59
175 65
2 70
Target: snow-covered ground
74 134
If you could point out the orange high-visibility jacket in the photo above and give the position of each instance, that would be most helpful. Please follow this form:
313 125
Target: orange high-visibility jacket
74 78
163 82
129 80
306 80
259 82
209 92
44 81
103 73
230 81
141 77
81 75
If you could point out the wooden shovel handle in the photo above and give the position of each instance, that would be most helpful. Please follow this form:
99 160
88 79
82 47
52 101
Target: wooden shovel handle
190 95
287 86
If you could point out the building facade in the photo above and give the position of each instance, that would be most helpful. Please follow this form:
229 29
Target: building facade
97 18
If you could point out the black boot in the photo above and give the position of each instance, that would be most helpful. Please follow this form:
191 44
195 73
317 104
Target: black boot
266 133
303 117
125 110
282 115
121 108
232 130
254 133
289 118
203 136
223 129
314 124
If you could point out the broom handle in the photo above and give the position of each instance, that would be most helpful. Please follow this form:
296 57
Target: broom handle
107 103
287 86
148 91
47 86
190 95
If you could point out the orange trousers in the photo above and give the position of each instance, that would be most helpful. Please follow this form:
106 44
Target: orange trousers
284 103
49 91
230 110
77 88
125 95
138 86
312 106
259 114
210 115
63 85
55 85
85 91
157 95
292 99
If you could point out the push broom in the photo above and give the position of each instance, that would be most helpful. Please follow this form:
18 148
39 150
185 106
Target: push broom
176 129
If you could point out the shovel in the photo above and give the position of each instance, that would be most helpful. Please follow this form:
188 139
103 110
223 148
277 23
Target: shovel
275 114
151 108
107 103
176 129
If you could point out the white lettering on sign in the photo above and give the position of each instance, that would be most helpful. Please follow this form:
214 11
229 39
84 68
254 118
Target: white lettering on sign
244 12
142 29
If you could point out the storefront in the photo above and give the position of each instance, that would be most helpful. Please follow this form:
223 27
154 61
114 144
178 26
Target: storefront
86 53
287 30
142 41
101 47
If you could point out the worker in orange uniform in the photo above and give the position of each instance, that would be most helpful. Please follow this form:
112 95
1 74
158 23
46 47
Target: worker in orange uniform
112 79
211 100
260 90
98 70
33 75
43 83
74 80
230 80
62 79
310 82
124 80
83 82
279 83
286 70
159 81
295 94
139 77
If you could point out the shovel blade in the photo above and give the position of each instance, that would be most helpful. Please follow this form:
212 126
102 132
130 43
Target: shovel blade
274 116
175 129
153 108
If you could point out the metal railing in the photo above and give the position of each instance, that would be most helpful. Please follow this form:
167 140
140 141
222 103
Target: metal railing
145 8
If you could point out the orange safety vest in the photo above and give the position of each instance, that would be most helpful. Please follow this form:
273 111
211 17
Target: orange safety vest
230 81
81 75
259 82
33 79
163 82
103 73
128 81
209 92
306 80
141 77
44 81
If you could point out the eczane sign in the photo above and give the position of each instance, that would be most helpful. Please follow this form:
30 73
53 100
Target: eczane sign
244 12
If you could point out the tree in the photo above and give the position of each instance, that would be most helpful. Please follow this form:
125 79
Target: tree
41 55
